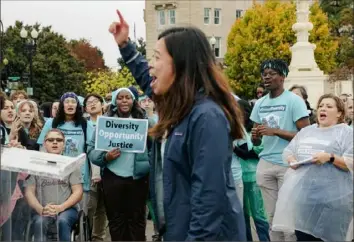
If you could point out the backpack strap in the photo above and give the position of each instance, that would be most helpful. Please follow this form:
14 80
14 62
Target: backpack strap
84 129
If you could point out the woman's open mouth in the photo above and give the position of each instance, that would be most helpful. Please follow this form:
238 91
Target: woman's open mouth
323 116
154 81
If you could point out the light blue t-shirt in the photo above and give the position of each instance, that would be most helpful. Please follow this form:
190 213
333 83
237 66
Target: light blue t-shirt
281 112
74 143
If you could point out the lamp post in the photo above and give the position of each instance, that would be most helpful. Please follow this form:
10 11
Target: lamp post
30 45
5 62
212 43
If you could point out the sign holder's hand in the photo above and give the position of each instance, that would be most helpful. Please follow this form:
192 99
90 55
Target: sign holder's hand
120 30
112 154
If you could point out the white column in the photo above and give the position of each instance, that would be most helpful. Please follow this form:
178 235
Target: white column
303 56
303 69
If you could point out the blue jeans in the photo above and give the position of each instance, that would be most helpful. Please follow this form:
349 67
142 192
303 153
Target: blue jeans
64 222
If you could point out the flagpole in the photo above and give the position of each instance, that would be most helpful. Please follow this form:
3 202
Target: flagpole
134 33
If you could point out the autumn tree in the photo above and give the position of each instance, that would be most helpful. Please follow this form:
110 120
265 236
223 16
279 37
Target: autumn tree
55 70
265 31
92 57
106 81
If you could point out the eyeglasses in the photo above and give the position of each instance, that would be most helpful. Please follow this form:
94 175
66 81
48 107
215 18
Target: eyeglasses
51 140
93 102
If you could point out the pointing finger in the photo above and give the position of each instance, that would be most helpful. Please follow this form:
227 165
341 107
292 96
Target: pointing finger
121 18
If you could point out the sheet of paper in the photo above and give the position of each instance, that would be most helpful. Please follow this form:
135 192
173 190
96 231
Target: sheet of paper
306 161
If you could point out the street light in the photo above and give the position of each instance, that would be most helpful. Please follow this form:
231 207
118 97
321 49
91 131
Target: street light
30 45
213 42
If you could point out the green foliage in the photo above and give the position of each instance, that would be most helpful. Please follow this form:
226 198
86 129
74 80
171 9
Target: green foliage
339 12
140 46
341 20
106 81
265 31
55 70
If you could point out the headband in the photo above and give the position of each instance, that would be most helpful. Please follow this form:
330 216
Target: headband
69 95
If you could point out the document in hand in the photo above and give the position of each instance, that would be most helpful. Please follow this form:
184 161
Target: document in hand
40 163
302 162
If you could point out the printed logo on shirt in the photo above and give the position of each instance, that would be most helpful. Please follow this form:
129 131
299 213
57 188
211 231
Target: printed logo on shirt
314 140
52 182
272 121
72 132
71 146
275 108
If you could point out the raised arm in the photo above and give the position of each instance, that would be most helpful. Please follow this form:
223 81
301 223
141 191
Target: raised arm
136 63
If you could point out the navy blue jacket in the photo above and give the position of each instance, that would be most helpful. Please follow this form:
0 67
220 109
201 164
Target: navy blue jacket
199 197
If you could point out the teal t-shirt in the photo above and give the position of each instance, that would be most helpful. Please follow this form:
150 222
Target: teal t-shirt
281 112
74 143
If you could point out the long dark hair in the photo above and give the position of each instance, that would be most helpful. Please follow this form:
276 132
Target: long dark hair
60 118
47 109
136 111
195 71
247 110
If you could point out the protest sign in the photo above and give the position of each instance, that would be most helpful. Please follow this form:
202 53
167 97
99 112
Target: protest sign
127 134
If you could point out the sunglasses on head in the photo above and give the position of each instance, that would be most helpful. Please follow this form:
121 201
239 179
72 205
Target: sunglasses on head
51 140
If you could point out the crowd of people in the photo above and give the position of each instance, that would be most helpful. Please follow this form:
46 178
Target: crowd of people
213 165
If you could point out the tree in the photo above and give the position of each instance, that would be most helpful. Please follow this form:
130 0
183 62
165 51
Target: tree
341 19
92 57
339 12
106 81
55 70
266 32
140 46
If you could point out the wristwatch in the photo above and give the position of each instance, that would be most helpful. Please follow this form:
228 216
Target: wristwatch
331 160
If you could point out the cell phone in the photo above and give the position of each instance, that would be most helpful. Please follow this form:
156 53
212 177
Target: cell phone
305 161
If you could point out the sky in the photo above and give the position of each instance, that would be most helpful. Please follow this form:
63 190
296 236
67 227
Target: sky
79 19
